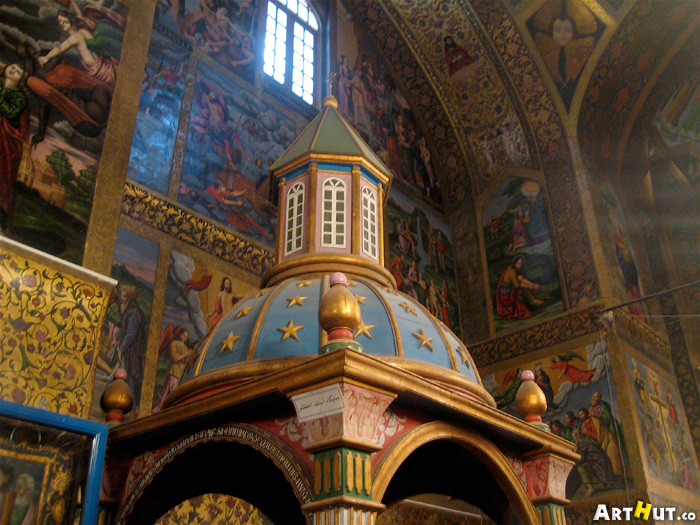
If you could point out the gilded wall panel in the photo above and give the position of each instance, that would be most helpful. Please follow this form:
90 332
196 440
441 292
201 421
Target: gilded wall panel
50 330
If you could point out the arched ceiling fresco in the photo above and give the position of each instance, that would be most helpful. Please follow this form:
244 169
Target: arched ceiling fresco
497 82
654 49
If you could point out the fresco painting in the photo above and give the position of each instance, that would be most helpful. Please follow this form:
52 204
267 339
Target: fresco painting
128 316
521 265
627 272
565 33
422 258
232 140
159 109
581 407
667 443
369 99
196 299
678 120
214 509
224 30
58 67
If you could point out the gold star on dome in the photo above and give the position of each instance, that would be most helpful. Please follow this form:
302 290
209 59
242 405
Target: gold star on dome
290 330
360 299
463 354
261 293
409 308
301 284
227 344
390 290
351 282
244 312
424 340
295 300
364 329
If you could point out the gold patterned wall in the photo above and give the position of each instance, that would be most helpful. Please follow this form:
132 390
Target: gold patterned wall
51 316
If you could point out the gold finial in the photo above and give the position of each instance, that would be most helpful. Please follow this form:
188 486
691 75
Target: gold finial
117 399
330 100
339 312
530 401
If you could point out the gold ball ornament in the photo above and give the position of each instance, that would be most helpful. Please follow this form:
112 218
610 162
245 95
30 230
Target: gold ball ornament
530 401
339 312
117 399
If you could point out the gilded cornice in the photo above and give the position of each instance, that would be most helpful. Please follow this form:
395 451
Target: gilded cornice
194 230
541 335
643 338
269 395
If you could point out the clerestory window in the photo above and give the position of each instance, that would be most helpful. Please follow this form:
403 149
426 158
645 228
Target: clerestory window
291 36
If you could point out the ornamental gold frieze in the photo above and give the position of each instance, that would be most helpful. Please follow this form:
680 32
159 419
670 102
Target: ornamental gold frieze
196 231
642 337
51 314
542 335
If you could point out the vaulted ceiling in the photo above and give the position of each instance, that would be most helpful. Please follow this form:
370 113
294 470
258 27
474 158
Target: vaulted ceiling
512 95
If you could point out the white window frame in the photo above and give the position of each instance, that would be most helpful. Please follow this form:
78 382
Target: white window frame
369 223
294 219
334 217
292 33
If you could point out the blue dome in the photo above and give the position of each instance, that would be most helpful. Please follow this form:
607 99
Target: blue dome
281 322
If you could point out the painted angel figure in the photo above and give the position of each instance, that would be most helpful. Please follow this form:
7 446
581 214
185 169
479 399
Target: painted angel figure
572 373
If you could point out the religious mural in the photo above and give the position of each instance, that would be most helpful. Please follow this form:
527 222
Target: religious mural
214 509
449 41
159 110
522 268
565 33
679 119
128 317
667 443
422 258
196 299
369 99
581 407
627 273
58 63
232 139
225 30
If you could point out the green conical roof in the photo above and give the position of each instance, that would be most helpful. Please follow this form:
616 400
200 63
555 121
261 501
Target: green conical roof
330 133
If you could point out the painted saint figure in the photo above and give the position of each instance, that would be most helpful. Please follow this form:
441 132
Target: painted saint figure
132 338
460 64
512 291
14 133
573 374
174 341
224 303
24 510
565 40
98 48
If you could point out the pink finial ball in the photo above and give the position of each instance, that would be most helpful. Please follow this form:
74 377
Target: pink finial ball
527 374
120 373
339 278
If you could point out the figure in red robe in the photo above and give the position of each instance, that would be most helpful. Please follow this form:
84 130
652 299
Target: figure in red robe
14 132
572 373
